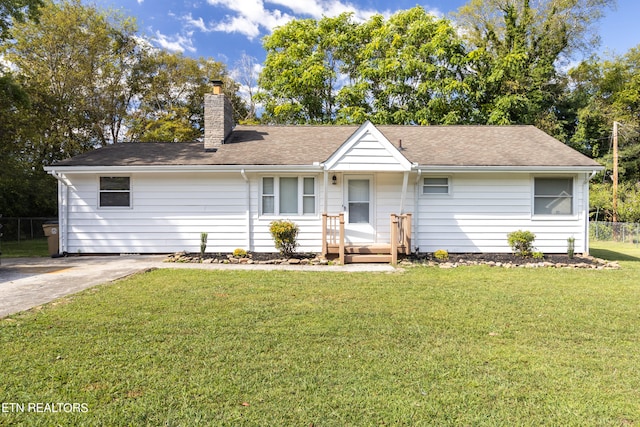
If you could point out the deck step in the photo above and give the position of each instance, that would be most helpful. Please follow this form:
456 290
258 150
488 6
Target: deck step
373 249
366 258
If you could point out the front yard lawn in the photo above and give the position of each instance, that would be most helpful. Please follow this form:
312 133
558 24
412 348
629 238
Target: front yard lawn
425 346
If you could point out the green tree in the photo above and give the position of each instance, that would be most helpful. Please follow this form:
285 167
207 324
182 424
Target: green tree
17 11
73 65
171 90
609 91
405 69
69 66
515 48
408 69
300 76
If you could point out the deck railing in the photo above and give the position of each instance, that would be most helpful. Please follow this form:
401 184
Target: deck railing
400 235
333 237
333 234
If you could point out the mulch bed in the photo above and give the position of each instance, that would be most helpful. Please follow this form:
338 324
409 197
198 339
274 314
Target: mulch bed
506 260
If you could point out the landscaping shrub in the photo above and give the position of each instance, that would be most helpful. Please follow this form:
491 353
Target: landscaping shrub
239 253
441 255
203 243
521 242
285 236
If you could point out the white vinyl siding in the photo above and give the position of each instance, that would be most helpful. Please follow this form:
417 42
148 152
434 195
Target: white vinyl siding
168 213
484 208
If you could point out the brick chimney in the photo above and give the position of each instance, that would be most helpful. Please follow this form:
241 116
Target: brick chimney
218 117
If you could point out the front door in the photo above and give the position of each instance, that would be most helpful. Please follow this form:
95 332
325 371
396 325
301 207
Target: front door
358 206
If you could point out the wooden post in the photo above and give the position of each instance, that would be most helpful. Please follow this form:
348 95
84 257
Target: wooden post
342 238
324 234
407 235
394 239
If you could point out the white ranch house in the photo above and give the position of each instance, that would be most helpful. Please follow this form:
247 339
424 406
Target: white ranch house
390 188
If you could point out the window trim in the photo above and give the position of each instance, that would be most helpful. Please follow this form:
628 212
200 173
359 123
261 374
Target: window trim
554 216
301 196
129 191
425 186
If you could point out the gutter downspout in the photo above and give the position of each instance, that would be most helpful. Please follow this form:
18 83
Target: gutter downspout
416 214
403 196
249 234
63 210
586 213
326 188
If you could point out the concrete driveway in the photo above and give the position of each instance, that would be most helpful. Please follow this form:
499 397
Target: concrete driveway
30 282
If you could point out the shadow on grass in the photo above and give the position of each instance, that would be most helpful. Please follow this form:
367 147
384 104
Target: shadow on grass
612 255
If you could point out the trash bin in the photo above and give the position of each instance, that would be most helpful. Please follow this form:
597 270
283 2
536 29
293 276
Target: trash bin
51 232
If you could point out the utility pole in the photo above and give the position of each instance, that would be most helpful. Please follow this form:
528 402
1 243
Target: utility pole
615 171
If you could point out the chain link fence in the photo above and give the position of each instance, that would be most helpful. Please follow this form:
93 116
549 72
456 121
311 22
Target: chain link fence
624 232
17 229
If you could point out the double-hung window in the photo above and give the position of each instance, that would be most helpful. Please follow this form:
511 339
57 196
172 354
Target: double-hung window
288 195
553 196
115 191
435 185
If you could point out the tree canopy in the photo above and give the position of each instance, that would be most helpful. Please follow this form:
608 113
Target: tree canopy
82 78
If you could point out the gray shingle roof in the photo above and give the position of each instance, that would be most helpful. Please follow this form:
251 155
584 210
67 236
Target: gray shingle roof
518 146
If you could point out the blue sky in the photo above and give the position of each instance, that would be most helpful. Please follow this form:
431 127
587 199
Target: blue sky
225 29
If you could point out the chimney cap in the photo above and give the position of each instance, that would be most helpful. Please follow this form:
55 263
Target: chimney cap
216 82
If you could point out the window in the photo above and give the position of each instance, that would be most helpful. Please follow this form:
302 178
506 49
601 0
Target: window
290 195
553 196
115 191
439 185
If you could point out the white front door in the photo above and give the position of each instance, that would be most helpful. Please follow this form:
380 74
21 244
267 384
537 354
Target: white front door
358 206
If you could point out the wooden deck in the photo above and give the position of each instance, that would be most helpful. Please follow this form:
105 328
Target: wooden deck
334 246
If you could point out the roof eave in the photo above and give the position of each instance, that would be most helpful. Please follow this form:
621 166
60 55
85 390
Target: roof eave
518 169
181 168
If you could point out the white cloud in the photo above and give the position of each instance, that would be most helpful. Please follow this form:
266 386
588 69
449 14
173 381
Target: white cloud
196 23
176 43
249 17
255 17
319 8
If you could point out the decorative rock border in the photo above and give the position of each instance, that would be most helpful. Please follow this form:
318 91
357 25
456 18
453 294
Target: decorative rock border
593 264
305 259
460 261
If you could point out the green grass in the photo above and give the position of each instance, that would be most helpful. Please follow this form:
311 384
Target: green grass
24 248
615 251
470 346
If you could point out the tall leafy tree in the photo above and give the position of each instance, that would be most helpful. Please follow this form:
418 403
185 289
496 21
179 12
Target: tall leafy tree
68 65
405 69
609 91
12 11
171 89
301 73
515 48
73 64
408 69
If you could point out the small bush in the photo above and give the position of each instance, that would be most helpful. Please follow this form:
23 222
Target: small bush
203 243
571 247
538 255
239 253
441 255
285 236
521 242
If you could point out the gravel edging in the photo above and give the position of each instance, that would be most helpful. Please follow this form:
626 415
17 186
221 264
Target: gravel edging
454 261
